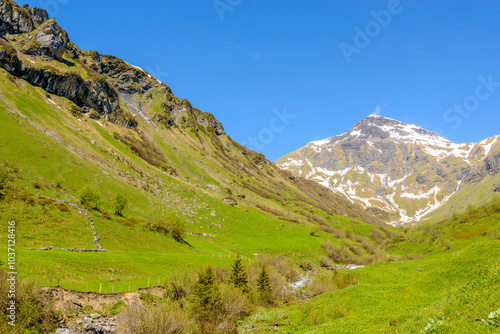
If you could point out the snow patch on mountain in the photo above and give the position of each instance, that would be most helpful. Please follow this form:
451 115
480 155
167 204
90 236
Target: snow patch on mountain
421 195
291 162
487 146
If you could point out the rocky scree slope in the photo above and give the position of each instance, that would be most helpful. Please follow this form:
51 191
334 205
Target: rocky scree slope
399 172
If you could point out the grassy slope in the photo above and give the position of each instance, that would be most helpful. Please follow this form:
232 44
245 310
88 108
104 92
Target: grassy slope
75 152
469 195
456 286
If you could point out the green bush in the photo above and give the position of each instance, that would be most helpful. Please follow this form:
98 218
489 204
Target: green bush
89 196
114 308
120 203
177 227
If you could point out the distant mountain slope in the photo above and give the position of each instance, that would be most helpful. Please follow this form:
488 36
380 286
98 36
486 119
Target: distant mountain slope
399 172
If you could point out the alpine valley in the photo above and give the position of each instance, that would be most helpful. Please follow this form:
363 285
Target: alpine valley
125 209
400 173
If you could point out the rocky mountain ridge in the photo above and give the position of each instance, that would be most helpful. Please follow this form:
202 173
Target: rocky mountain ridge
399 172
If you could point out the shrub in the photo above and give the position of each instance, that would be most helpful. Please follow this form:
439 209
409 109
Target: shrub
177 226
325 261
166 318
160 227
114 308
377 236
63 207
148 298
332 231
34 314
282 265
234 302
120 203
338 254
306 265
179 286
129 222
89 196
314 231
37 184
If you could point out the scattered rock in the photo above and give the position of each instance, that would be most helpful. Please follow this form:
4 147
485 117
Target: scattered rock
111 270
419 269
230 201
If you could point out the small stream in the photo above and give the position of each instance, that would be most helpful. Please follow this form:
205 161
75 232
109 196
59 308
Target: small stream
303 281
300 283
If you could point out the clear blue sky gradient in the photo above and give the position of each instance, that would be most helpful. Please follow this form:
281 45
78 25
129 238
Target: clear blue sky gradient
265 57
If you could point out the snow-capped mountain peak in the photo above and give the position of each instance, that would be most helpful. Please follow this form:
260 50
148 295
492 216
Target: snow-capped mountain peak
398 168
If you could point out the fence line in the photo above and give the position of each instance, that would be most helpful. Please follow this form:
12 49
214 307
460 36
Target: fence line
112 287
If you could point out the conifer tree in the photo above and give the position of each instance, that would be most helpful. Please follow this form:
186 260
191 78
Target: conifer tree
264 282
238 276
205 295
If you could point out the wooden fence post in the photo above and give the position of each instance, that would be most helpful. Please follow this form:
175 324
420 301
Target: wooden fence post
100 287
113 288
87 289
128 286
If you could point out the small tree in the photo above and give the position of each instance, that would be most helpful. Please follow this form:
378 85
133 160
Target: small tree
177 227
120 204
238 276
264 283
205 296
90 197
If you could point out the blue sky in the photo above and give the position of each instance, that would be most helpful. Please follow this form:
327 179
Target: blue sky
281 73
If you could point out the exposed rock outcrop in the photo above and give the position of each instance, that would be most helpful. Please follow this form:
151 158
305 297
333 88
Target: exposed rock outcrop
97 94
15 19
47 40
